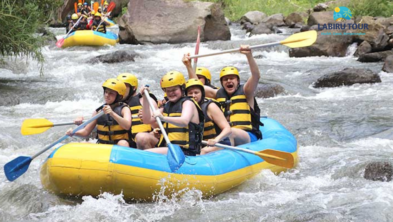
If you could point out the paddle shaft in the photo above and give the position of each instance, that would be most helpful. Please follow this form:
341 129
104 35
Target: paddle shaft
66 136
197 48
157 118
235 50
73 27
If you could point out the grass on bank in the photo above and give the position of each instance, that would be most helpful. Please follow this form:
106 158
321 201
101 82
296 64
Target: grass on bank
235 9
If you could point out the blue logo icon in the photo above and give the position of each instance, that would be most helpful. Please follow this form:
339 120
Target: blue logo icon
342 13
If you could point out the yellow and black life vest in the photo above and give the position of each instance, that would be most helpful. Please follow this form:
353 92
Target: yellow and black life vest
240 114
137 125
108 130
102 27
189 138
211 129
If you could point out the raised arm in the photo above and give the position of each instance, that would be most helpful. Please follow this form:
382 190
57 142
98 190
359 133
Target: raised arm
252 83
187 62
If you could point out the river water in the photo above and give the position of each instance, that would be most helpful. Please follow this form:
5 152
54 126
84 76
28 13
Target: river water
339 131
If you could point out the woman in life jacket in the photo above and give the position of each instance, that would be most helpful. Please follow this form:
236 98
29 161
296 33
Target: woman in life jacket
98 22
181 116
112 128
141 137
216 127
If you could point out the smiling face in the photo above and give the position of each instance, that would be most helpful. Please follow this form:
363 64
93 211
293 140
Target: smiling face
230 83
174 93
195 92
110 96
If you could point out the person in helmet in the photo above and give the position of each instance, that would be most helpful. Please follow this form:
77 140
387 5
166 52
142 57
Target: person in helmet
100 23
80 7
67 23
140 132
86 9
105 9
74 24
238 101
181 116
203 74
83 23
112 128
216 127
99 9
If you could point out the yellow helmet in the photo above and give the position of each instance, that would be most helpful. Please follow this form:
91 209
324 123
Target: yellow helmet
172 78
202 71
92 12
74 16
229 70
106 3
79 3
116 85
97 14
196 82
128 78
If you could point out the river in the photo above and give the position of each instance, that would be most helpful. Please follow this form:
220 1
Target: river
339 131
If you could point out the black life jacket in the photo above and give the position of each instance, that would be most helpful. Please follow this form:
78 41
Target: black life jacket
102 27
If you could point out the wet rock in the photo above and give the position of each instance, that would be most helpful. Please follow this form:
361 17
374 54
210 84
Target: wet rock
375 56
304 28
363 48
274 20
390 44
320 7
298 25
375 34
116 57
295 18
326 45
379 171
347 77
120 4
320 18
161 21
254 17
261 29
388 65
267 90
248 27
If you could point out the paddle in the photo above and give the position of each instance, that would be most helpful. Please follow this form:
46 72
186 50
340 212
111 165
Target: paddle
19 165
297 40
95 6
76 8
37 126
197 48
175 155
275 157
110 8
61 41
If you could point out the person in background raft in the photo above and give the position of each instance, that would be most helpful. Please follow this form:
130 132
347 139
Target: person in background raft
114 127
105 9
97 22
238 101
86 9
140 132
181 116
80 7
74 20
68 21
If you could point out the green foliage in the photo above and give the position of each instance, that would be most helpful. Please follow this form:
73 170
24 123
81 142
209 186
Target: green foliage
382 8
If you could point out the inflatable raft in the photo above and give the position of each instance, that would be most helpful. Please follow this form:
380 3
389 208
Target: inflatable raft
90 38
79 169
111 23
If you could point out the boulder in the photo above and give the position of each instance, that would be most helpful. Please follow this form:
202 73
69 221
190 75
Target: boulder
274 20
175 21
326 45
254 17
320 7
379 171
347 77
120 4
116 57
375 56
248 26
304 28
386 22
267 90
375 34
388 65
295 18
363 48
320 18
261 29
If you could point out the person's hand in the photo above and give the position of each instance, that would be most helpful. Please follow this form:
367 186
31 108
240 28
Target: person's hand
245 49
186 59
69 132
78 121
107 110
140 115
157 113
211 142
156 133
142 90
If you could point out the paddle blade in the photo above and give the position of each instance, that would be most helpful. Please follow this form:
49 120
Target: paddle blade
60 42
17 167
301 39
102 4
197 45
76 7
95 6
35 126
175 157
278 158
111 6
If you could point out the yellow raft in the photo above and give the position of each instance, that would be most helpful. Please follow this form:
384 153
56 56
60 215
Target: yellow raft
90 38
79 169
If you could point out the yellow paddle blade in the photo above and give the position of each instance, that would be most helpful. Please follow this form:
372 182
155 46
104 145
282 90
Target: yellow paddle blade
278 158
35 126
301 39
